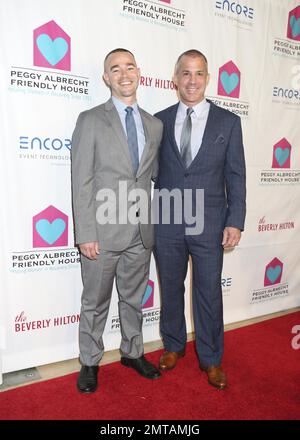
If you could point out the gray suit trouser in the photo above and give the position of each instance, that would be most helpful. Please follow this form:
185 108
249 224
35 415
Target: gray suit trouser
131 269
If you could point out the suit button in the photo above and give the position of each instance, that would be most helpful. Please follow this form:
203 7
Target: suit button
136 179
186 175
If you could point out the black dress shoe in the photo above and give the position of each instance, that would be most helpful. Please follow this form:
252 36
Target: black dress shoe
142 366
87 381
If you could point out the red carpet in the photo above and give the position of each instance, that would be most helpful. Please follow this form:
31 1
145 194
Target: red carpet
264 383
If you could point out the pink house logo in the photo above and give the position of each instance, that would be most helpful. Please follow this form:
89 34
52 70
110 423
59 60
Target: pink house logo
148 298
282 154
166 1
50 228
293 27
273 272
229 80
51 47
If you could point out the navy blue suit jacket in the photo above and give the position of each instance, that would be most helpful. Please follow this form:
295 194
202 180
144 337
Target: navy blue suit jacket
218 168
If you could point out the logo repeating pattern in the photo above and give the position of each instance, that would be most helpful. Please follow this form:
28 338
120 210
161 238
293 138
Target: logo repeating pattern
148 299
50 228
52 47
273 272
282 154
229 80
293 28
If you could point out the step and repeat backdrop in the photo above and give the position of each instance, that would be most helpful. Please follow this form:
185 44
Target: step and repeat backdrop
51 69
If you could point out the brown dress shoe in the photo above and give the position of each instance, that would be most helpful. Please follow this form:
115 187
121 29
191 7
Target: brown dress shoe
216 376
168 360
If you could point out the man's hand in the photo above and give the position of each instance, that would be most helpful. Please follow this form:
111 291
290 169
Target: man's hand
90 250
231 237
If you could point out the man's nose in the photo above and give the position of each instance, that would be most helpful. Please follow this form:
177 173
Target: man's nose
123 73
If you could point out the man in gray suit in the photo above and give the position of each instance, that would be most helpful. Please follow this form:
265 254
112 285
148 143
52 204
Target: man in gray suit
114 157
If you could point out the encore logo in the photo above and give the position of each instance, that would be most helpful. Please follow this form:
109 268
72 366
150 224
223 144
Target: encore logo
235 8
51 47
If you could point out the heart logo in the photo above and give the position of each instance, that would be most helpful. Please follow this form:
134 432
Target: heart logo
273 273
50 232
282 154
229 82
147 294
52 50
295 26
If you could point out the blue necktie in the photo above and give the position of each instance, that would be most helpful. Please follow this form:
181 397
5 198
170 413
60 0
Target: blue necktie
185 139
132 138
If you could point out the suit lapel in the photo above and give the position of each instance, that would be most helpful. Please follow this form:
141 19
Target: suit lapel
147 133
114 121
210 128
209 133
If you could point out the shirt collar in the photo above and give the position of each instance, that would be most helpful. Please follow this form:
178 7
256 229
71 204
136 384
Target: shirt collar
199 109
121 106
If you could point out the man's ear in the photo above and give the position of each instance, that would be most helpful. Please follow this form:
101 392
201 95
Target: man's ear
106 79
207 79
174 79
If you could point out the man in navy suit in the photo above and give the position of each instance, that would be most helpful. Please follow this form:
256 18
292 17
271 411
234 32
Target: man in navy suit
202 148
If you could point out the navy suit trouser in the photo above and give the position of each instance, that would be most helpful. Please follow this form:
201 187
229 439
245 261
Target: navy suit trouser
172 256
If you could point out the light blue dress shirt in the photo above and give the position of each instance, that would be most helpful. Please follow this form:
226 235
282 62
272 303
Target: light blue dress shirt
199 120
121 106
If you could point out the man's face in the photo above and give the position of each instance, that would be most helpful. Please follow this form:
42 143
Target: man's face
191 79
122 76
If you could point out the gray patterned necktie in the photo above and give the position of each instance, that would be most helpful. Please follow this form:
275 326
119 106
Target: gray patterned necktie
132 138
185 139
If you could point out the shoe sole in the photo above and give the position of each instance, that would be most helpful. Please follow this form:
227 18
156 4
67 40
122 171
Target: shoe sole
125 364
218 387
86 392
164 368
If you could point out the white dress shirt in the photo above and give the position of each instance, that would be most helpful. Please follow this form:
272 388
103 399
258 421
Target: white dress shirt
199 120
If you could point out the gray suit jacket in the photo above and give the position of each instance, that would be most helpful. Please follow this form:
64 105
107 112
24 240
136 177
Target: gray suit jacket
100 159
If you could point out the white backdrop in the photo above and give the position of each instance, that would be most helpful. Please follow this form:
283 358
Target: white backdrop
51 67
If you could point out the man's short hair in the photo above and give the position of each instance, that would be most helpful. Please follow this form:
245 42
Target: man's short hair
119 49
190 53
